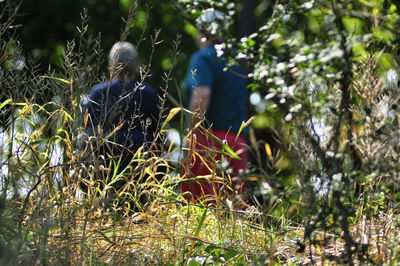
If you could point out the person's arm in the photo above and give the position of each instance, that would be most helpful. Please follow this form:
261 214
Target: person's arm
199 103
201 77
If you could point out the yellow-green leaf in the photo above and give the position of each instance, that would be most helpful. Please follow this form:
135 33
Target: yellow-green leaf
5 103
172 113
59 79
268 151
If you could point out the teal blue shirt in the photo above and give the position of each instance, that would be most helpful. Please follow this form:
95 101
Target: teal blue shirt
228 106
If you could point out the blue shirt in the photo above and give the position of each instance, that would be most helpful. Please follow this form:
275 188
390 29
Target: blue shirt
133 107
228 106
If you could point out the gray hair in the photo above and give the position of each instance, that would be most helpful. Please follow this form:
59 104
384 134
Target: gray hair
123 59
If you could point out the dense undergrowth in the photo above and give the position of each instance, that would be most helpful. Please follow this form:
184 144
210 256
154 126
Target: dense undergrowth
336 203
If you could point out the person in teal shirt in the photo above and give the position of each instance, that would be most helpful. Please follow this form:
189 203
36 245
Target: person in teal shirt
218 95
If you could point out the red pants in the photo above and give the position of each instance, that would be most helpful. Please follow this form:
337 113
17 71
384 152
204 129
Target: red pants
204 161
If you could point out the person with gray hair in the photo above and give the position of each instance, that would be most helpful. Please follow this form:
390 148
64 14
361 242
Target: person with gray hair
122 111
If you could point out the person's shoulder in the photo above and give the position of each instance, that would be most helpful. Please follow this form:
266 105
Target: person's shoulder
101 87
150 95
205 53
150 90
143 88
204 57
208 51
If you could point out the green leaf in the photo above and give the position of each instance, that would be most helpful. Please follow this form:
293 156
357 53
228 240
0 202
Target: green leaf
383 35
191 30
243 125
201 222
230 254
125 4
385 62
253 86
224 146
194 263
353 25
359 51
46 140
199 179
251 42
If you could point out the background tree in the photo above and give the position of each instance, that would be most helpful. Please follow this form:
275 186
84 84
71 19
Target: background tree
309 61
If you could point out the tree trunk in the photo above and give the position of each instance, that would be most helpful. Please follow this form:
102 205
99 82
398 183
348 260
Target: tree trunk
247 19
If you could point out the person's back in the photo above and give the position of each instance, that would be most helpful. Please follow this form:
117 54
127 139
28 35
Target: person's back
228 106
128 111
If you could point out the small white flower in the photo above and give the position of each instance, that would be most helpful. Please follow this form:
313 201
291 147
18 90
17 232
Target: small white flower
291 90
265 27
19 63
286 17
273 36
299 58
383 109
265 188
295 108
392 79
289 117
224 164
84 100
263 73
269 96
241 56
279 81
330 154
280 67
219 48
337 177
252 36
307 5
331 53
231 6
